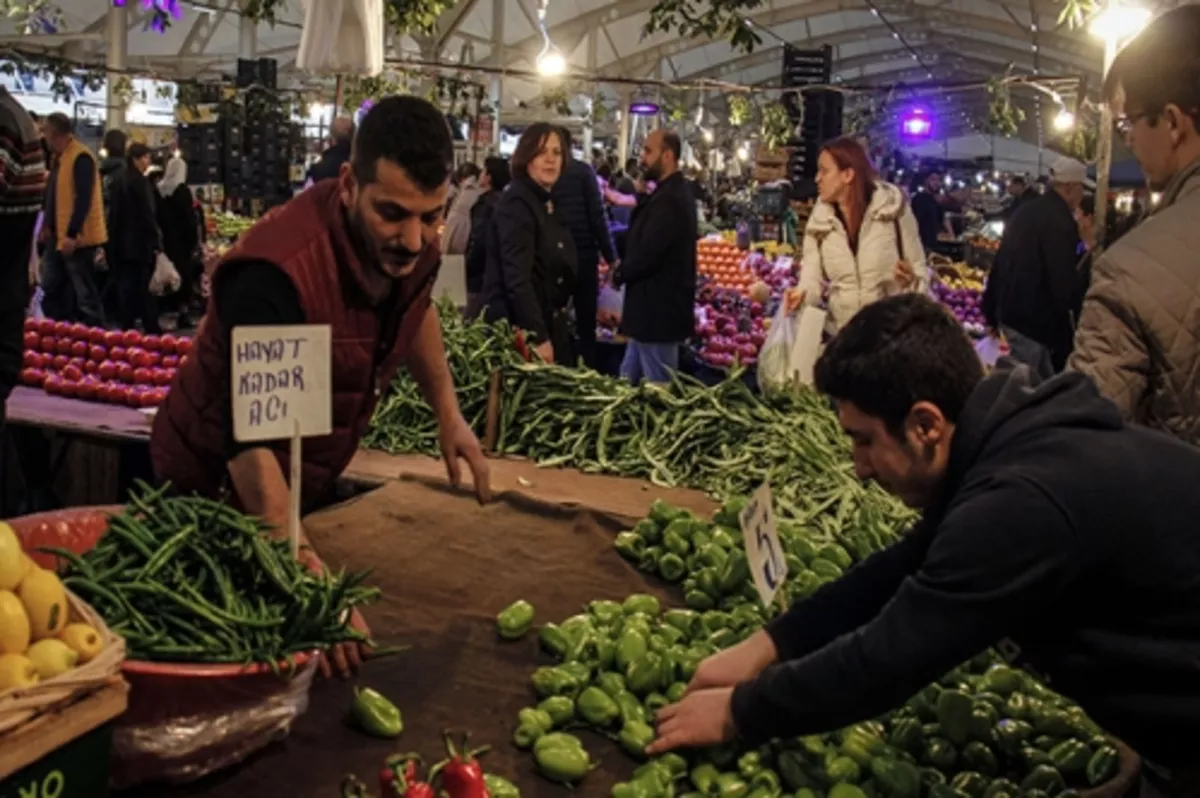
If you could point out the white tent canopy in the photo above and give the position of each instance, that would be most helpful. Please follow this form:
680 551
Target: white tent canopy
1008 154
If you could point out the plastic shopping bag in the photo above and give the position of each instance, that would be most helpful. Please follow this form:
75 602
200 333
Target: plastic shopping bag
166 278
792 347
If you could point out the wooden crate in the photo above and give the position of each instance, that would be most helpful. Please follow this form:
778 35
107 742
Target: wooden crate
51 730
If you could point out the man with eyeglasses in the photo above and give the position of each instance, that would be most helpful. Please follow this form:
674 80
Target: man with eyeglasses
1139 333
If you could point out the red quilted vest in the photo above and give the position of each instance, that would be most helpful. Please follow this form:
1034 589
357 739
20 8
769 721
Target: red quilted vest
307 238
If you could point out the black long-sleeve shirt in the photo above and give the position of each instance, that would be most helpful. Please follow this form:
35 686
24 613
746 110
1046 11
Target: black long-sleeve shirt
83 173
1060 529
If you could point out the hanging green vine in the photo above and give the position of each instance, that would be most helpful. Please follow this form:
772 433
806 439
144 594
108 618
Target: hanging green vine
356 90
716 19
557 99
415 16
740 109
674 104
1083 143
1004 118
122 90
263 10
868 113
776 127
32 16
601 112
1076 12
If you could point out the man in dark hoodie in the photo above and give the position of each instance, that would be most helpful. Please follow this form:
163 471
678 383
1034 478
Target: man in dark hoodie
578 203
1046 521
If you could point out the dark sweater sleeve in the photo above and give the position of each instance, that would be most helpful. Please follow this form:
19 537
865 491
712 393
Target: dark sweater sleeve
253 293
84 175
1000 558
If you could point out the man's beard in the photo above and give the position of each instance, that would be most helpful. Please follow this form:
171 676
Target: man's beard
653 171
387 261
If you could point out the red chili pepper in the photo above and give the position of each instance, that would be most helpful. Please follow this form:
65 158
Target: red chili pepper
401 778
462 775
522 346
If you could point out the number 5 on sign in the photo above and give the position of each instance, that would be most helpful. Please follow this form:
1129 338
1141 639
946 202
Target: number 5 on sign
763 552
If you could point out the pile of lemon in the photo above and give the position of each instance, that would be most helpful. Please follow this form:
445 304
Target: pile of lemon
37 641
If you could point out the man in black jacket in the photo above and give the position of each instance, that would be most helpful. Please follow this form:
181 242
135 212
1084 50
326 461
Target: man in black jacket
1032 286
578 205
1046 521
341 130
659 266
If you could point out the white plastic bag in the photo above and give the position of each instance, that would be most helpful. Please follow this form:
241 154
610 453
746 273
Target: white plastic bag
166 278
792 346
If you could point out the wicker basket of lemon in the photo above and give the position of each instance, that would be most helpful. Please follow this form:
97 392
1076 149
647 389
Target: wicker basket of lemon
53 647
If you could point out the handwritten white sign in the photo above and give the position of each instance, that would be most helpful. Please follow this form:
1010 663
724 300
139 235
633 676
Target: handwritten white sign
280 382
763 551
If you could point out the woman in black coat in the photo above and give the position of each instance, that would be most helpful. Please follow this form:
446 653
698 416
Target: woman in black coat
135 241
530 274
495 178
181 232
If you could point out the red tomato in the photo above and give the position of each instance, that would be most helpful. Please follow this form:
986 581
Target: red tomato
131 338
62 329
183 345
140 358
97 353
60 362
96 335
167 344
152 398
50 344
107 370
104 392
155 358
85 390
64 346
72 373
30 359
33 377
51 384
133 397
44 326
161 376
79 348
32 324
170 361
112 338
32 339
80 332
77 362
125 373
152 342
67 387
91 367
141 375
118 353
170 375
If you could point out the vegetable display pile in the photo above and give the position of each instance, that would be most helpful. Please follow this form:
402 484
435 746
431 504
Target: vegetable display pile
404 423
193 580
985 730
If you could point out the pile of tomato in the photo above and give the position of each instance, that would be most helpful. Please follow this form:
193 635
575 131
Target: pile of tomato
124 367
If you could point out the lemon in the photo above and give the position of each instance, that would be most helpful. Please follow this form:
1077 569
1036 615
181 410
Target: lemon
28 566
17 671
83 640
14 624
45 602
51 657
11 569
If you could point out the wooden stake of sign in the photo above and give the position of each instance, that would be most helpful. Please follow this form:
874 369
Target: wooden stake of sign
280 387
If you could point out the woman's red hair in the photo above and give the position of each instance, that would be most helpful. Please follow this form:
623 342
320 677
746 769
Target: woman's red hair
847 153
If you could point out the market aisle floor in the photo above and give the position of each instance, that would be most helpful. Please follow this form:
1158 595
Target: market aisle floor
446 567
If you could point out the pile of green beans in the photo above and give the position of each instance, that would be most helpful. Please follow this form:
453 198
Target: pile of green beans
404 423
192 580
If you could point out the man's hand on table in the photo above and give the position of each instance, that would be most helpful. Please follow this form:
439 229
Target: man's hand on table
735 665
458 441
346 658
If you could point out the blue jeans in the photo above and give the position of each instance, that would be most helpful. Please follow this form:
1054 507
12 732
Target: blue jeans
649 362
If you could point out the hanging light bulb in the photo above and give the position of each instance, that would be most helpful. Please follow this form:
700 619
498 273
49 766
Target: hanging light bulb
708 136
743 153
550 61
1064 121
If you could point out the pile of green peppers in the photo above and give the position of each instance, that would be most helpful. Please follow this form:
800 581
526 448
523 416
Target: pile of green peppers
984 730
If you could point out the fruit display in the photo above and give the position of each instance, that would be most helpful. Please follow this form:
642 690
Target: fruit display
984 729
229 226
960 288
721 262
730 328
186 579
115 366
37 640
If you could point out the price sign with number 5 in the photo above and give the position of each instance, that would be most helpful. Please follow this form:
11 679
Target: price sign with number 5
763 552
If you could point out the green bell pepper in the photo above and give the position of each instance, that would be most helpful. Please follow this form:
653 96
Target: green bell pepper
375 714
843 768
749 763
630 545
861 742
704 777
825 569
1011 735
563 760
560 708
597 707
644 675
654 702
1031 757
766 779
675 538
698 600
647 530
1071 757
793 769
1002 680
611 683
631 707
1044 777
676 692
641 602
906 735
683 620
662 513
631 646
735 572
731 785
970 782
606 612
676 764
954 709
978 757
526 735
899 779
532 716
844 790
553 639
648 562
606 653
940 753
836 555
983 719
634 738
672 567
1002 788
500 787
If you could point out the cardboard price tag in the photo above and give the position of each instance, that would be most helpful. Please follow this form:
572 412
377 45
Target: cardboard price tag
280 382
763 551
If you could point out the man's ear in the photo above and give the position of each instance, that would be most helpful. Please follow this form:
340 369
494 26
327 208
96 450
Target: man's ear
347 186
927 422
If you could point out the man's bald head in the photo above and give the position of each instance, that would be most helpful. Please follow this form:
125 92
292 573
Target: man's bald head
342 130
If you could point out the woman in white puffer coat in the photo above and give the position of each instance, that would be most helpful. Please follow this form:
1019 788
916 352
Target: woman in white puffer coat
861 238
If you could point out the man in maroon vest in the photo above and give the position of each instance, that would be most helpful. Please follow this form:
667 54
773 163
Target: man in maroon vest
358 253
